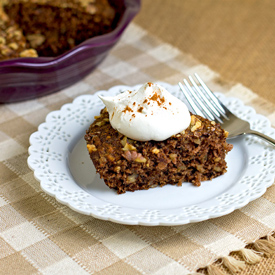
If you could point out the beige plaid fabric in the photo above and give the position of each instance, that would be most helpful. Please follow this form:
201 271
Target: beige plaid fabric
40 236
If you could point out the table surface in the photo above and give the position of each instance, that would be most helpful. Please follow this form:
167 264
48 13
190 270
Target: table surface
232 37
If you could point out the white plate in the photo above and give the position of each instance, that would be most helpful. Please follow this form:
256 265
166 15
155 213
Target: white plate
60 161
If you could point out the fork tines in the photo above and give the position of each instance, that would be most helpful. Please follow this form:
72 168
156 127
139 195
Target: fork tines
202 100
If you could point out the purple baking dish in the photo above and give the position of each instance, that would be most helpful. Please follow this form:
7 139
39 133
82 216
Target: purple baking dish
27 78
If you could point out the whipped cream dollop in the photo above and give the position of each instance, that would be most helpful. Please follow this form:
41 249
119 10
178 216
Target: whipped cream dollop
149 113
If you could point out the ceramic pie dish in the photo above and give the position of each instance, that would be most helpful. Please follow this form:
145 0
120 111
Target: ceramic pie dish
28 78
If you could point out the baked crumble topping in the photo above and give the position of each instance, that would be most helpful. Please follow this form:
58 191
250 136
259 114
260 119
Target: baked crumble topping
31 28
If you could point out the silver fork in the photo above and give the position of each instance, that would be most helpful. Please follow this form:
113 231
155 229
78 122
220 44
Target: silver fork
206 104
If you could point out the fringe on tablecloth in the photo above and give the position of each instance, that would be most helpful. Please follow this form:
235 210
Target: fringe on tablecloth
251 254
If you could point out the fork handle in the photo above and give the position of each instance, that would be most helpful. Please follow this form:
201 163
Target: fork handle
267 138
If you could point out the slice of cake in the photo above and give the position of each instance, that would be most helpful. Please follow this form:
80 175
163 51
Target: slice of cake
195 152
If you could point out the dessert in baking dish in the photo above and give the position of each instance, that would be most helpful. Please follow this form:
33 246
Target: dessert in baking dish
52 27
12 41
148 138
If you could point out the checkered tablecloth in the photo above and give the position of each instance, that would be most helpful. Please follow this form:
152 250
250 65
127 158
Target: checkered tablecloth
38 235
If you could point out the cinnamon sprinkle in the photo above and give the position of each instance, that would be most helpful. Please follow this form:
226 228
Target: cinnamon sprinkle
157 98
140 109
127 108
